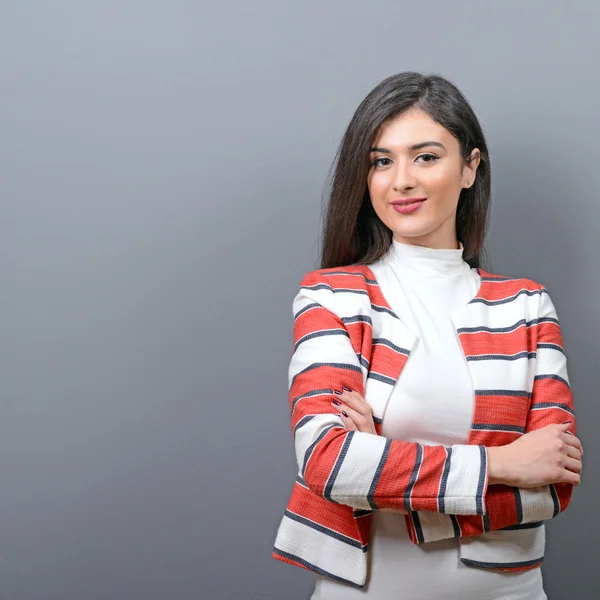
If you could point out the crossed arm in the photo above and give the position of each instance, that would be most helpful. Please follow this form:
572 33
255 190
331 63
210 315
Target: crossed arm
368 471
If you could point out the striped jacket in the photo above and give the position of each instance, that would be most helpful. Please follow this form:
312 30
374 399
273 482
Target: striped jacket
346 334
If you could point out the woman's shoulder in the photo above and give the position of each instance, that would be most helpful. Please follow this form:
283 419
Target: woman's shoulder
510 281
350 276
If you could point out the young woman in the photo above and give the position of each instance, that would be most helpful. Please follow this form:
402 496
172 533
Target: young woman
431 411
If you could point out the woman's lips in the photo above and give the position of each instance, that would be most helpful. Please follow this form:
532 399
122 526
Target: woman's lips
407 207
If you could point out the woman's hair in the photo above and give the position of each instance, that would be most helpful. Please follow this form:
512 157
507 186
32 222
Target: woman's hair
352 231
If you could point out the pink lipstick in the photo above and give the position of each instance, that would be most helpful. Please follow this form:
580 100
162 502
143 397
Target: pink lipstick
407 206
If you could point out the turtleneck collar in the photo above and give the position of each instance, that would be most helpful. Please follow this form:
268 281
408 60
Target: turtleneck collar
419 261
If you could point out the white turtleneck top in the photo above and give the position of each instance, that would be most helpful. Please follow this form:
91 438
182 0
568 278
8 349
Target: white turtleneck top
431 403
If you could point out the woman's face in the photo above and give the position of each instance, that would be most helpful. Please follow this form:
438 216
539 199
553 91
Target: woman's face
415 159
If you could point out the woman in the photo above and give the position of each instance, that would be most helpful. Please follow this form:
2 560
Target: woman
431 411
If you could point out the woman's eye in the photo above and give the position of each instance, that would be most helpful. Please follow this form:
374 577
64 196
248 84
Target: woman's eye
428 158
377 162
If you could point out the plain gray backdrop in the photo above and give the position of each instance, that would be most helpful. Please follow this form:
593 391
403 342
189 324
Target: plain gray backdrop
162 166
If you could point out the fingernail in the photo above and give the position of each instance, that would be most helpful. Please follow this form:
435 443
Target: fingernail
347 389
569 422
337 392
336 402
344 413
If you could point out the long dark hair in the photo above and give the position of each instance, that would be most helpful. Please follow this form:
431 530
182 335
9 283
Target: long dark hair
352 231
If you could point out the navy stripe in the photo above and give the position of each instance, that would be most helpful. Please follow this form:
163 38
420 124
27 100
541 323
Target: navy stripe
481 484
377 419
363 361
303 421
316 569
444 481
382 378
383 309
518 504
551 347
338 465
307 307
548 320
501 565
555 500
418 527
499 278
318 334
310 449
455 526
378 471
498 329
301 481
308 395
486 522
497 427
520 526
346 366
357 319
501 356
413 477
330 532
514 393
540 405
506 300
389 344
349 291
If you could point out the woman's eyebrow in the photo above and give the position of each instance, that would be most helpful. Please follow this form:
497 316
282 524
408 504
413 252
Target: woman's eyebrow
413 147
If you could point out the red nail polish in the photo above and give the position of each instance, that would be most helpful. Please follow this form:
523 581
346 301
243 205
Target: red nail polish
337 392
336 402
344 413
347 389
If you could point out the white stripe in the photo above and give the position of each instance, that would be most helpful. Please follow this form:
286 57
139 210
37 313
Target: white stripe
325 349
498 315
502 375
504 546
358 469
308 433
435 526
537 504
551 362
463 480
321 550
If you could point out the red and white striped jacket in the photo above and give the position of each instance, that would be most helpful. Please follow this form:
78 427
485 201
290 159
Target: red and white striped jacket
346 334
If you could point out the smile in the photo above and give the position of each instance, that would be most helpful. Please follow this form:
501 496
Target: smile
408 206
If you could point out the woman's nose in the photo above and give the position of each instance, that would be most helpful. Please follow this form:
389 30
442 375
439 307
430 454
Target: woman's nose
405 177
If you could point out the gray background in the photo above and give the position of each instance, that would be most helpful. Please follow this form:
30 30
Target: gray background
161 172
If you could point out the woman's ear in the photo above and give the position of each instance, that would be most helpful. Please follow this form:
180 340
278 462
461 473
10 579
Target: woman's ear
470 168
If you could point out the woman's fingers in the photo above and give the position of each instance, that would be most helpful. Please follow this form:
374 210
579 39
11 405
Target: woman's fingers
573 465
349 423
358 411
573 441
573 452
355 401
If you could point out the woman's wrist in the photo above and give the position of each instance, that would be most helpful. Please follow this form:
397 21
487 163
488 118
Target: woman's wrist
496 466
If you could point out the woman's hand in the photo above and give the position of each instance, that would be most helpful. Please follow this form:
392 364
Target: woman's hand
540 457
357 415
354 410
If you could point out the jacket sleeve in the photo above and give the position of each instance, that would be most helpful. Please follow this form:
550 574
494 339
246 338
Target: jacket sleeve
551 402
360 469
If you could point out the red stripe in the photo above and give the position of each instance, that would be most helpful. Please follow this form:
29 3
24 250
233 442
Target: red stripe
523 339
323 459
502 290
338 517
